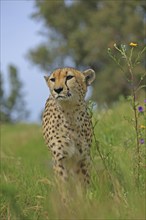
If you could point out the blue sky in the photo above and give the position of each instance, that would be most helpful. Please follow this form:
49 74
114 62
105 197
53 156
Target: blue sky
19 33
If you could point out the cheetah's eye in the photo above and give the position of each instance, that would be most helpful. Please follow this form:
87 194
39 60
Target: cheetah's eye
69 77
52 79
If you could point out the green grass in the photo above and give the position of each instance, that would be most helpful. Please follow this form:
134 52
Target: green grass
27 187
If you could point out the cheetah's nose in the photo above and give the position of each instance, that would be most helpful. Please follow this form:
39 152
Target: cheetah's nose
58 90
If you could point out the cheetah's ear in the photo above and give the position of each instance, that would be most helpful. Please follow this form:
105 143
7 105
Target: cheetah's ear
89 76
46 78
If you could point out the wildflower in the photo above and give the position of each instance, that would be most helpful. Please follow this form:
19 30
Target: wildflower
133 44
142 126
140 109
145 101
141 141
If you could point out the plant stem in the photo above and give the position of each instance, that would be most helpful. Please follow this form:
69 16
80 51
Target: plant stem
112 179
133 94
101 155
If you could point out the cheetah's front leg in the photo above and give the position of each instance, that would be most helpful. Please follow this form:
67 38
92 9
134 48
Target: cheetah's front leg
61 176
83 171
60 169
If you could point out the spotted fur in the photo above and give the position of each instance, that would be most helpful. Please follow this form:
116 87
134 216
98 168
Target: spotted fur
67 127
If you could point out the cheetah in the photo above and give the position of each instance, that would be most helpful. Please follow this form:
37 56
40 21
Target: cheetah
67 126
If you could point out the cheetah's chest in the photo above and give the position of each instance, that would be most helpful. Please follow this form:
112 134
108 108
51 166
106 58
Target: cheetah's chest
69 131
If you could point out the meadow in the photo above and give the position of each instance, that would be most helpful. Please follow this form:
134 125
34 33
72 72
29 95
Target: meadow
27 185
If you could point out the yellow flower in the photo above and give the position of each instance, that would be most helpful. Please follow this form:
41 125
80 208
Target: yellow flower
142 126
133 44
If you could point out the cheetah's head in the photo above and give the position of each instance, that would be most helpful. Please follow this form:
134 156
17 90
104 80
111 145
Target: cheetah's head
69 84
